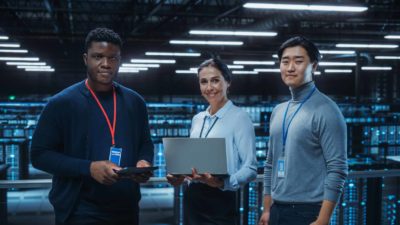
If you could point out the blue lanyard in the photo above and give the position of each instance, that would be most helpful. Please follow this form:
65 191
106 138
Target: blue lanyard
209 129
285 132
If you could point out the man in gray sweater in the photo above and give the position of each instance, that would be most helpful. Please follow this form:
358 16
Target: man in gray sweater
306 163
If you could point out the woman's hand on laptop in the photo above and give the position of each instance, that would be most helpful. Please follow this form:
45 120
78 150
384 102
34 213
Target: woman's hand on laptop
175 180
208 179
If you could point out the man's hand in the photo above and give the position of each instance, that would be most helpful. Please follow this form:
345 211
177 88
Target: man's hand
207 179
325 213
143 177
264 219
175 180
265 216
103 172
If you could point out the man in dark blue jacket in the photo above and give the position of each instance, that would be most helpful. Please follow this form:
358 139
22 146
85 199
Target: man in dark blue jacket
89 131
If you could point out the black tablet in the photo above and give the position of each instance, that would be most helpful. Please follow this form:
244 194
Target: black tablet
126 171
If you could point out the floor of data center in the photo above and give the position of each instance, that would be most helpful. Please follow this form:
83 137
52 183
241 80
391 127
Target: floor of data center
28 207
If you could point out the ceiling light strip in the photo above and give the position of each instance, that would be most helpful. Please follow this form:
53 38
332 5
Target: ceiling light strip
141 65
337 71
376 68
386 57
233 33
19 59
366 46
185 54
305 7
26 63
244 62
160 61
10 45
14 50
199 42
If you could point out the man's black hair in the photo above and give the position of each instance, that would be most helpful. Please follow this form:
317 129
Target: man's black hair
218 64
309 46
100 35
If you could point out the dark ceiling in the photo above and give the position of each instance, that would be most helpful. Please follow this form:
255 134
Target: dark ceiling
54 31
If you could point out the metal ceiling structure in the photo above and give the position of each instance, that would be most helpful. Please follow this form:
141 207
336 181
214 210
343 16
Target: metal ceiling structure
54 31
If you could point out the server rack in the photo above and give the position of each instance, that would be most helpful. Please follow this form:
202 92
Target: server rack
374 136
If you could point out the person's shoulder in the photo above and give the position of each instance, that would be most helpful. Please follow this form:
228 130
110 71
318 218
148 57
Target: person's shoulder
238 111
279 106
324 102
325 107
68 94
240 115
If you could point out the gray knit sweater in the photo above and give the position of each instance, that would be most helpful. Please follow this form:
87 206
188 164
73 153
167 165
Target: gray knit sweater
315 155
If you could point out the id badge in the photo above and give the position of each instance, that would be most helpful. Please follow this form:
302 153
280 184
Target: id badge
281 167
115 155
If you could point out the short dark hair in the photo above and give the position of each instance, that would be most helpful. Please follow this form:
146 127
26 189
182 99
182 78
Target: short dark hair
309 46
102 34
218 64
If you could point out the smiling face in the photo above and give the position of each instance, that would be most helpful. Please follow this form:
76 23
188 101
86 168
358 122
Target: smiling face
213 85
102 61
296 67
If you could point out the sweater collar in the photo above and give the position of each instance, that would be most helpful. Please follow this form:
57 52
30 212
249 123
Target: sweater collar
300 93
83 89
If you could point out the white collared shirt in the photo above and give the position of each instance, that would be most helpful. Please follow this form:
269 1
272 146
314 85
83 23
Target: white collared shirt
233 124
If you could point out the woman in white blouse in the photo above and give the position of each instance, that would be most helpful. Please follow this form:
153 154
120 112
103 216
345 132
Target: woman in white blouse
209 199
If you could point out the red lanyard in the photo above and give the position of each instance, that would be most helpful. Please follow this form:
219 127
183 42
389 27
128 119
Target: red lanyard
112 128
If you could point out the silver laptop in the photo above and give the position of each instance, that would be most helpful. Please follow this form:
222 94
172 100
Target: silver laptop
204 154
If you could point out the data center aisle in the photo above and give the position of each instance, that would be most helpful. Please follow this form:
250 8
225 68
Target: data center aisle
27 207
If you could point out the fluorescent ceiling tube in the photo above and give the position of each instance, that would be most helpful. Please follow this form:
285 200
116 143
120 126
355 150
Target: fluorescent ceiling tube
133 68
14 50
141 65
40 70
233 33
129 71
229 67
305 7
366 46
186 71
26 63
244 72
235 66
266 70
9 45
3 38
376 68
337 64
317 73
337 71
33 66
275 56
188 54
19 59
392 36
332 52
199 42
254 62
386 57
161 61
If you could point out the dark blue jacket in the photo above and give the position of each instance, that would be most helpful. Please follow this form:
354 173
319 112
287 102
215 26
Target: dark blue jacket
60 145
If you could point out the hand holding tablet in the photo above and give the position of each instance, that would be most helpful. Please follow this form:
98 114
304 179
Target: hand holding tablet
128 171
